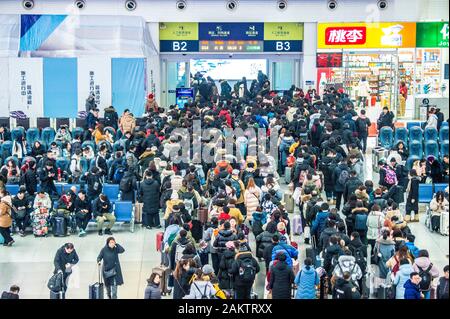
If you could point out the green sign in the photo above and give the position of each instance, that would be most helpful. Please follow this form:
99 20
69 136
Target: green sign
432 35
275 31
178 31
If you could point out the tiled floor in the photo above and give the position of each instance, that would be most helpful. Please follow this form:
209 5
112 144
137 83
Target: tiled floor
29 263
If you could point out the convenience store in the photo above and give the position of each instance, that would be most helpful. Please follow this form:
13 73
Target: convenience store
386 54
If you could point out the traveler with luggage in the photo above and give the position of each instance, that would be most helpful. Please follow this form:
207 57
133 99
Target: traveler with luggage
201 287
347 263
438 205
281 278
66 257
427 272
112 272
153 290
102 209
244 270
345 288
412 201
13 293
226 264
21 213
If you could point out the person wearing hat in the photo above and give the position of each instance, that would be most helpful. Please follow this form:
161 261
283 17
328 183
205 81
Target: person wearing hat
6 217
244 270
22 206
151 105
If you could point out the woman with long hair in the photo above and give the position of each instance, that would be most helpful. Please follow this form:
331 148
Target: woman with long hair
412 201
252 197
181 278
112 272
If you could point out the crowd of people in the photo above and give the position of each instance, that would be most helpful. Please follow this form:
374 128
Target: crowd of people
209 210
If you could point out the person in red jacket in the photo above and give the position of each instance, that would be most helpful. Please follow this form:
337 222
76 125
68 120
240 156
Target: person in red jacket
225 214
225 113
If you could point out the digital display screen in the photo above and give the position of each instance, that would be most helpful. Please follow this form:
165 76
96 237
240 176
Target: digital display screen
229 69
231 46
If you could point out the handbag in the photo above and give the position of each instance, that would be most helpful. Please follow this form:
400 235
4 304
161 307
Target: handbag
109 273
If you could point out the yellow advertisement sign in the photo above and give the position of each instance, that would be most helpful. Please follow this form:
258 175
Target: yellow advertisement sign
366 35
274 31
178 31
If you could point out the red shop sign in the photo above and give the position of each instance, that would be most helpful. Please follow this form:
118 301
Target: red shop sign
345 35
329 60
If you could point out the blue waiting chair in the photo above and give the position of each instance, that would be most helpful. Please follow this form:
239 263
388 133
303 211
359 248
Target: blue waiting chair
124 213
445 123
443 133
112 192
444 148
7 149
67 187
416 148
91 144
32 135
413 124
415 134
63 164
410 161
28 159
401 134
432 149
425 193
47 136
12 189
440 187
59 187
430 134
77 131
84 165
17 132
386 137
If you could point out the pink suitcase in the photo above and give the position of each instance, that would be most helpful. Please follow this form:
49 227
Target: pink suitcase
297 225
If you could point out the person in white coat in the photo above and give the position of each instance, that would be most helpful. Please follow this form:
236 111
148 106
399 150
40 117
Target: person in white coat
363 92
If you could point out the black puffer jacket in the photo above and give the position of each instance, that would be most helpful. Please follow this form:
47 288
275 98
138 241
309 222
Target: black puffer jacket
62 258
110 258
281 279
226 264
223 237
351 186
324 239
262 241
328 256
149 192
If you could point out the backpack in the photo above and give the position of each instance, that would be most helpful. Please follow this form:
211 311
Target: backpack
179 252
109 119
427 279
343 177
125 184
55 283
189 205
391 177
237 187
118 174
203 294
361 222
334 260
247 271
362 125
360 259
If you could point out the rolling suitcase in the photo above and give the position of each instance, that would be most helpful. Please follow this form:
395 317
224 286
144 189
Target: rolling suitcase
57 295
96 290
138 213
287 175
297 225
197 230
163 273
159 239
289 202
59 226
443 228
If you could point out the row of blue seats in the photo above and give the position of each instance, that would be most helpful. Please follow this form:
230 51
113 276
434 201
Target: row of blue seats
110 190
388 137
427 191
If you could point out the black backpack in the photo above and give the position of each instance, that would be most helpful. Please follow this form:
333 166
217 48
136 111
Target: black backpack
358 253
110 119
427 279
55 283
247 272
126 183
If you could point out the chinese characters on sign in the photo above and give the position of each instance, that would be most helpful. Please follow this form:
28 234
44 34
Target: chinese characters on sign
444 31
329 60
25 90
345 35
94 88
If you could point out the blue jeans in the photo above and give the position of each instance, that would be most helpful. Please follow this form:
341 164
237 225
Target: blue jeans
427 294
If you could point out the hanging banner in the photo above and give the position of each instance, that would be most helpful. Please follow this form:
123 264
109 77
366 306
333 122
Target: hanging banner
432 35
94 76
9 35
26 86
4 89
231 31
366 35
